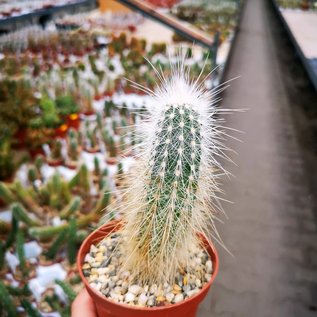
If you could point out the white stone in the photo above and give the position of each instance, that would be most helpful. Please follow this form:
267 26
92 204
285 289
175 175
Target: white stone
178 298
142 299
129 297
169 297
192 292
135 289
209 266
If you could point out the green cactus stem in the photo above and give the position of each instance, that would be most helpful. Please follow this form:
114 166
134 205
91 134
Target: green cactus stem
21 214
6 194
7 301
26 199
96 166
20 251
72 241
99 121
73 150
48 232
71 208
12 234
56 246
112 148
32 174
67 288
103 201
56 150
30 310
18 291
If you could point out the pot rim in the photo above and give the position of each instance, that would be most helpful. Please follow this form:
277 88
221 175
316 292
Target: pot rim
116 224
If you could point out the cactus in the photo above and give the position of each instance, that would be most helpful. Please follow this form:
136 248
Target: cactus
6 193
47 232
18 291
20 251
56 150
67 288
57 244
7 302
73 150
21 214
30 310
103 202
26 199
96 166
12 233
173 181
72 241
71 208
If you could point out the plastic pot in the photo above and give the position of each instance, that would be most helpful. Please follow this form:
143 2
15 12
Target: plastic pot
108 308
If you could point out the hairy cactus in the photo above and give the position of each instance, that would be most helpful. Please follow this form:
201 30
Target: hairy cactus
173 192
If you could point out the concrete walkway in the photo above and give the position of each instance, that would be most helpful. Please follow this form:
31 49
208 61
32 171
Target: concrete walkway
271 228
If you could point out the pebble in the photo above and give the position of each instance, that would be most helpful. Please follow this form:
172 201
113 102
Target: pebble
209 266
142 299
135 289
178 298
129 297
170 297
102 270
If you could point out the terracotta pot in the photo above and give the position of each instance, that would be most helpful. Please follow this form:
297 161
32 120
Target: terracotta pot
108 308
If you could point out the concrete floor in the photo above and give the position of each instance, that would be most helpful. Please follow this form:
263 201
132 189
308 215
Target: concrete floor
271 229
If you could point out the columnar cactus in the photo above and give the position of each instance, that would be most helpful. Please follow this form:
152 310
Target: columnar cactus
173 182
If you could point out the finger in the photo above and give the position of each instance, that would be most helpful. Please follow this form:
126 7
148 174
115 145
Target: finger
83 305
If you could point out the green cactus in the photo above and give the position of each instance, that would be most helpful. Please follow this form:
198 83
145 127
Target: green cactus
67 288
12 234
112 147
6 193
21 214
30 310
56 150
7 301
18 291
103 201
99 121
20 251
96 166
56 245
73 150
32 174
26 198
71 208
47 232
72 241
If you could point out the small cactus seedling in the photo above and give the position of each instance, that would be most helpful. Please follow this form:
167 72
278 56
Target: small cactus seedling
174 183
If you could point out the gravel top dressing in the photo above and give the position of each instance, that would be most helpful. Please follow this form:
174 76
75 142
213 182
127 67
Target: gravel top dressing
102 268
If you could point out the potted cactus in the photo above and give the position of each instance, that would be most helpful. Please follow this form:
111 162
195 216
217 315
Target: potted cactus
156 259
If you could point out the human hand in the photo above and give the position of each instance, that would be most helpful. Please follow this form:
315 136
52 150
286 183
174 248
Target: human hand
83 306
